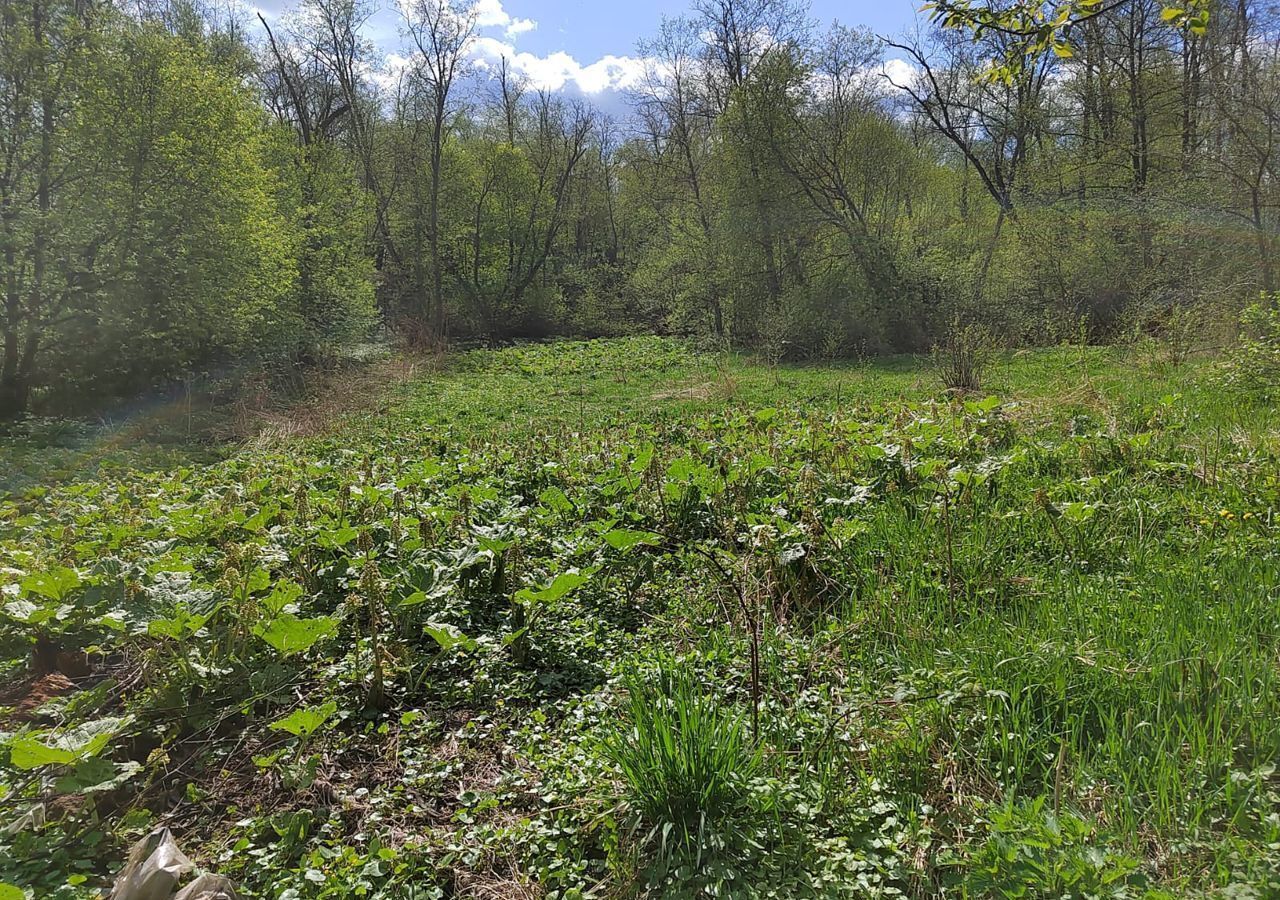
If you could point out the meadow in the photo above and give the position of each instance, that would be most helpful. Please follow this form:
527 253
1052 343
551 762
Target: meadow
620 619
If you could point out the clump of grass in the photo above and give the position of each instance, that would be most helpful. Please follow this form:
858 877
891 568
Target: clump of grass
686 759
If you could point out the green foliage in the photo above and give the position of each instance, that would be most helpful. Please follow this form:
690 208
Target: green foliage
291 634
33 750
1034 29
1035 852
181 192
302 723
1256 367
964 611
158 228
686 760
328 216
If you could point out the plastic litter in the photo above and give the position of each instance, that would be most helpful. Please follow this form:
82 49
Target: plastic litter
153 870
208 887
31 820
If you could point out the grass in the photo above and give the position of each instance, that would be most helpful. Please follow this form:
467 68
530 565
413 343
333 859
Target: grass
615 618
686 759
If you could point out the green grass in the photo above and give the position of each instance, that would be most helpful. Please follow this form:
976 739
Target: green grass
684 757
922 646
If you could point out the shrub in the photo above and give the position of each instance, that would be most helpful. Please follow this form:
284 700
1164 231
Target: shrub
1256 368
961 358
685 758
1034 852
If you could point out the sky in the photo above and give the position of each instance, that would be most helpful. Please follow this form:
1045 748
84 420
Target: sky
588 47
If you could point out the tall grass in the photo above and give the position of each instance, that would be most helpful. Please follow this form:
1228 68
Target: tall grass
685 758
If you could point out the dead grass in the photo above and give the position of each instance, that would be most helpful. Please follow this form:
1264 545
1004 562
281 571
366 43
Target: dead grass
262 418
27 696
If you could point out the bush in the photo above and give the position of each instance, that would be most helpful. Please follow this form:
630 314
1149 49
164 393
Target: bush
1256 368
686 760
961 358
1034 852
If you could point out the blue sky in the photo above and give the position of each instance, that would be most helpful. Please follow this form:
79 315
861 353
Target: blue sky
589 48
590 30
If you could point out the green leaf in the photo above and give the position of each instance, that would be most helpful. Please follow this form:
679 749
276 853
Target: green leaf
180 625
337 537
96 774
448 637
258 580
284 593
29 613
643 457
11 892
415 599
268 760
563 584
290 634
52 585
985 405
303 722
626 538
35 749
1077 513
554 499
493 544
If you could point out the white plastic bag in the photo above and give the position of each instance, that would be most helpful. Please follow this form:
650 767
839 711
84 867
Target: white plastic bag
208 887
153 871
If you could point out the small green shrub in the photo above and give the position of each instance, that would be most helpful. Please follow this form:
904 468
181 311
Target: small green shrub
1255 369
1035 852
685 758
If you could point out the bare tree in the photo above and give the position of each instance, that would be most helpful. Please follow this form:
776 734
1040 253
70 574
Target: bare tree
991 122
841 150
674 112
301 92
441 32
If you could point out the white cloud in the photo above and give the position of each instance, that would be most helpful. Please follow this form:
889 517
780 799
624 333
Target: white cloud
556 70
491 14
388 75
498 32
899 71
520 26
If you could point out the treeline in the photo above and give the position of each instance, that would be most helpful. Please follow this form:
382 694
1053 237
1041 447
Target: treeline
152 221
182 191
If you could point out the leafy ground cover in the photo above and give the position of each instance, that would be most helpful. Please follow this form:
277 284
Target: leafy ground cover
615 619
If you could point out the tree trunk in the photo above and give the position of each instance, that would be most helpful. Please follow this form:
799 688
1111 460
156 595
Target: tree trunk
981 285
433 236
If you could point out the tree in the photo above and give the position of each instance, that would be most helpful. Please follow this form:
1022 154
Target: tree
43 44
441 31
739 36
516 200
991 123
1027 30
183 257
320 195
675 115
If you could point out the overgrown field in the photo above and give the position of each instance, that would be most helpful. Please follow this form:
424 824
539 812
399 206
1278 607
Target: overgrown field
612 619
